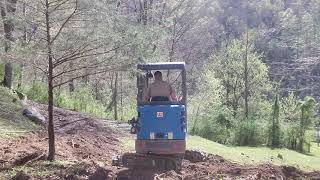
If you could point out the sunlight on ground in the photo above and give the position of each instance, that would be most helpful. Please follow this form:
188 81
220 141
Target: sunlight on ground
252 155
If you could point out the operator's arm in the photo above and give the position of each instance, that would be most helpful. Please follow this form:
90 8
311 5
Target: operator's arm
147 95
173 94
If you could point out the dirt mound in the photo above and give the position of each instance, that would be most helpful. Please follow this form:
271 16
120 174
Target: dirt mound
21 176
70 122
208 166
95 146
228 170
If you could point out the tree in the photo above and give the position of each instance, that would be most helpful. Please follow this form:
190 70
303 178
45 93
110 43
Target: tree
227 65
8 9
82 51
307 108
274 134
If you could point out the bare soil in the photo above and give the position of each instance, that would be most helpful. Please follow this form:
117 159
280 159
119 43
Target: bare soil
85 147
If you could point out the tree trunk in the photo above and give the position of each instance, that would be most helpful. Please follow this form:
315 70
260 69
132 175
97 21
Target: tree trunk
246 90
172 49
71 86
7 81
24 40
20 76
71 83
8 8
121 95
116 97
50 89
145 12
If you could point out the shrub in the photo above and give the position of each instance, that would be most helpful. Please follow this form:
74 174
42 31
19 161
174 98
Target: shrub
274 132
216 128
81 100
215 132
298 117
248 133
38 92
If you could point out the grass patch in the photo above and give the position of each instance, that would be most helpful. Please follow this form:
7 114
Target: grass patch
251 155
12 122
41 169
12 129
256 155
37 172
128 143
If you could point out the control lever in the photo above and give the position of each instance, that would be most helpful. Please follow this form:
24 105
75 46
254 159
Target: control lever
134 125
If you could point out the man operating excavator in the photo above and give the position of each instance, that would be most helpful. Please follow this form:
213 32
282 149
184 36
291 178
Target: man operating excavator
160 90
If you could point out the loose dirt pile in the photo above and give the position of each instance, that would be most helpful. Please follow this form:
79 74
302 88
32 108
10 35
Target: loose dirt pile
215 167
85 147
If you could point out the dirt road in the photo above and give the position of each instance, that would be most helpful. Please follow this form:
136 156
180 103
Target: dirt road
85 147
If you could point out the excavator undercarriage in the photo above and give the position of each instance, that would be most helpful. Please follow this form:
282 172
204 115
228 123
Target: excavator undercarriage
149 161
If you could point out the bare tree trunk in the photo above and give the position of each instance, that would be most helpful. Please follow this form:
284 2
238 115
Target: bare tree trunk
246 90
171 53
162 13
24 39
8 8
121 94
145 12
116 97
7 81
71 83
150 18
50 89
173 41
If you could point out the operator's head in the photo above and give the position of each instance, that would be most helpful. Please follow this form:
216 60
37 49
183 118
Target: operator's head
158 75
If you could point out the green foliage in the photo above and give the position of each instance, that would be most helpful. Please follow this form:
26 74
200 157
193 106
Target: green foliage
37 91
216 129
221 101
228 66
289 105
274 129
81 100
248 133
307 108
207 116
298 118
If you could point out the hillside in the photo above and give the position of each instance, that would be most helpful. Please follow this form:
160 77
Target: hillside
85 147
12 122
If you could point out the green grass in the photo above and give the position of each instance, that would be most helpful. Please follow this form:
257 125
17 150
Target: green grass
9 129
252 155
42 169
12 122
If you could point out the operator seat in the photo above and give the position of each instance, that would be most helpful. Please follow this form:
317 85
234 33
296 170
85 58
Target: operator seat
159 98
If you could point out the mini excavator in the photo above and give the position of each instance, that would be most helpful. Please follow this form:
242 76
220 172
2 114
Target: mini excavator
160 126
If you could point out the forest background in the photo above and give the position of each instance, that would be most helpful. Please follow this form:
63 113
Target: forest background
253 66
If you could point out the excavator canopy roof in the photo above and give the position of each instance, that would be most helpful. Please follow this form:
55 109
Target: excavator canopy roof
162 66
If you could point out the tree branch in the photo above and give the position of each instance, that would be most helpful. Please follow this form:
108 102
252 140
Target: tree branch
64 23
90 74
